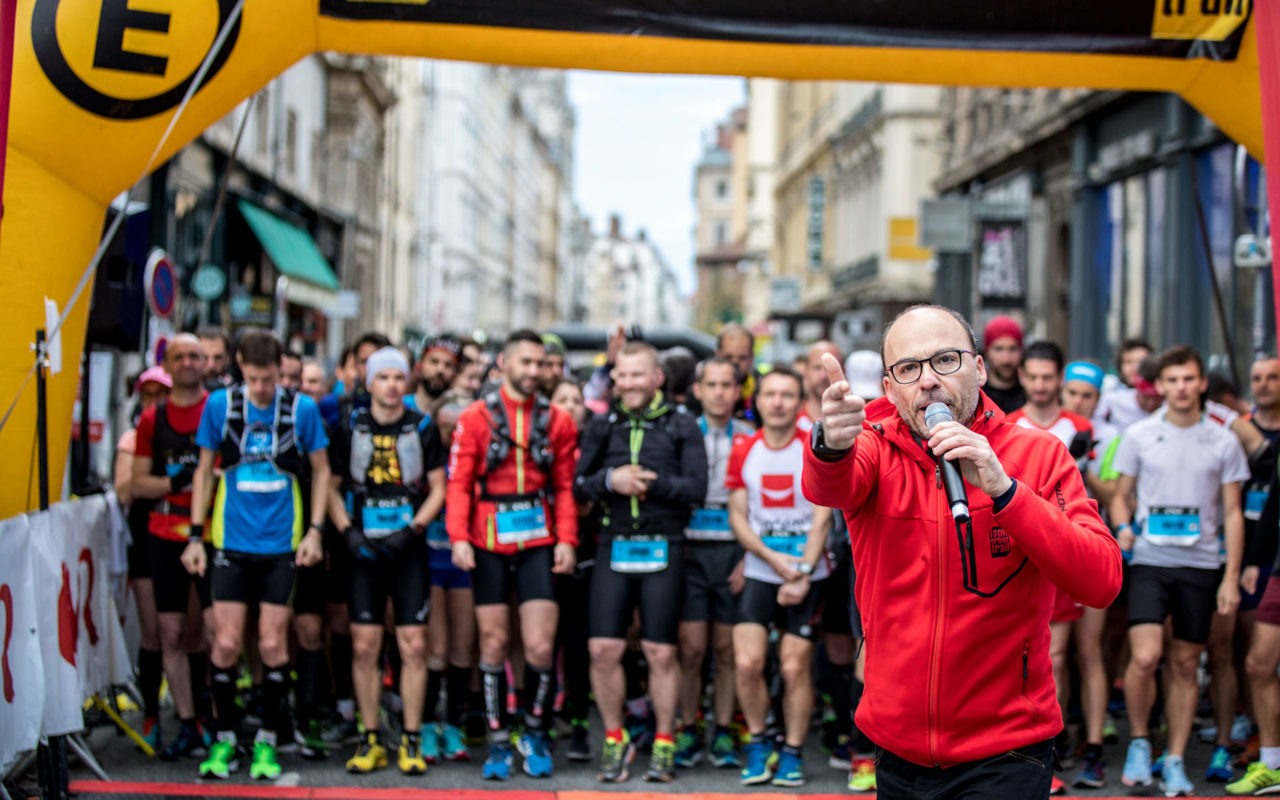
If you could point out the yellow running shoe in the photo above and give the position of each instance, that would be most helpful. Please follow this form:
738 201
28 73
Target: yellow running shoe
1256 778
411 760
370 755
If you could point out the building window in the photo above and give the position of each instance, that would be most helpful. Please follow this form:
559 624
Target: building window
722 233
722 189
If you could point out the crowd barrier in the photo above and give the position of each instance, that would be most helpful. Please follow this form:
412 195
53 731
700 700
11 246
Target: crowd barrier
62 638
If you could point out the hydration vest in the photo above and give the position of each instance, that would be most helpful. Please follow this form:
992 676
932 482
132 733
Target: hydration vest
286 452
171 451
408 449
500 442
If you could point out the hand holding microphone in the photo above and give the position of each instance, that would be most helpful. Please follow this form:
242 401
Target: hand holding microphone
955 445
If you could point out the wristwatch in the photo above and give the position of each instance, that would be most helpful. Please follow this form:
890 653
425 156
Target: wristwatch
819 446
804 567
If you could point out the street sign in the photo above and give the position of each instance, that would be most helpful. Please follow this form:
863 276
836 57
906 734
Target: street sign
946 224
160 283
209 282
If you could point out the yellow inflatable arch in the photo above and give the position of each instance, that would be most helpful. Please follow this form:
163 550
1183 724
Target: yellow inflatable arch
97 82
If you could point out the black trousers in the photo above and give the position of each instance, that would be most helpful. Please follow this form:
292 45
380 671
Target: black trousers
1022 774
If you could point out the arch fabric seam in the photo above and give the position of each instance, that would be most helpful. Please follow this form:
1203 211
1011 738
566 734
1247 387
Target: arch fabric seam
196 83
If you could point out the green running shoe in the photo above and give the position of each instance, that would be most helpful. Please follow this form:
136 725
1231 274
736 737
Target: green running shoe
1257 778
222 761
264 764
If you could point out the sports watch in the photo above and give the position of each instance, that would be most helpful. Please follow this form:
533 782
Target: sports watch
819 446
804 567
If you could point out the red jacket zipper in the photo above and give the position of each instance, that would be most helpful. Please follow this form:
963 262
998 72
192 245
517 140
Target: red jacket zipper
933 711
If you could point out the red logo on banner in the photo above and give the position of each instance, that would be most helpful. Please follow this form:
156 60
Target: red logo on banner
778 491
69 614
6 597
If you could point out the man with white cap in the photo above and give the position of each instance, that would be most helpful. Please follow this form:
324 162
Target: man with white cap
390 462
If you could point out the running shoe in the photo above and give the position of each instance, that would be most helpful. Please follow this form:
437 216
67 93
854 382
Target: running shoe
223 759
689 749
311 741
430 743
1056 786
841 754
662 762
454 745
1137 764
1241 729
790 770
265 765
497 767
1219 770
756 771
615 758
188 742
724 753
1109 733
537 754
862 775
410 758
1092 774
1174 781
370 755
151 733
1257 780
579 742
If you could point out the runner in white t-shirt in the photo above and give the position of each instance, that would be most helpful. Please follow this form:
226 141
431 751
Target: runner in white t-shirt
785 539
1187 471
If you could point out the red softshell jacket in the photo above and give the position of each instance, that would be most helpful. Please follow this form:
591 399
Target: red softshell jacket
469 518
957 623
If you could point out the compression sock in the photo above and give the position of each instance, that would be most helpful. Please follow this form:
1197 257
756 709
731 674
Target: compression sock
457 681
540 688
150 669
275 699
224 699
494 680
435 678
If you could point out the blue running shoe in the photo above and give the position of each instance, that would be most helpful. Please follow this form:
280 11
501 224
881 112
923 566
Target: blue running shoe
1137 764
756 770
790 770
1157 766
497 767
537 754
1093 774
1219 770
429 744
1175 781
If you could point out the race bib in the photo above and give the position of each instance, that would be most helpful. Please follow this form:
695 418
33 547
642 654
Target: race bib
520 522
787 544
1254 500
260 477
383 520
635 555
710 524
1173 525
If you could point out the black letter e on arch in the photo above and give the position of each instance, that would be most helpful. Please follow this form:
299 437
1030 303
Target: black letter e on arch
116 18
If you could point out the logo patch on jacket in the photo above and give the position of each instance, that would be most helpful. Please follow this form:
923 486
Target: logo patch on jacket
778 491
1001 545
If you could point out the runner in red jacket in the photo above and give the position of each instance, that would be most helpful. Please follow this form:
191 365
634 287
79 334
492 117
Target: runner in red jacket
512 522
956 617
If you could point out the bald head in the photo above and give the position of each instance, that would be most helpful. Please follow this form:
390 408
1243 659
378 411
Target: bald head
184 360
815 375
920 333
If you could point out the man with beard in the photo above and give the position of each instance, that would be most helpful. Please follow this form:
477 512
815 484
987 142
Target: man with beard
956 608
216 345
437 368
512 522
1002 343
551 367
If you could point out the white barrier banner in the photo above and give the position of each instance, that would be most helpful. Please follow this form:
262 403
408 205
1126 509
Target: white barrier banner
59 600
21 675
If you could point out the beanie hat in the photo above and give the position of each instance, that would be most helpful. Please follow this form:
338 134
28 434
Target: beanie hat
445 342
386 358
1000 327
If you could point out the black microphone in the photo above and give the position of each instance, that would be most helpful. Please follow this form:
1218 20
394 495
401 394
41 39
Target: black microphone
935 414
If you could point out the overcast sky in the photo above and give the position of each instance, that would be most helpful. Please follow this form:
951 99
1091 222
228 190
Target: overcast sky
638 138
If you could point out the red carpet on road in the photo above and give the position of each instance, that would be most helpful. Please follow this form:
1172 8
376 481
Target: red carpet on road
268 791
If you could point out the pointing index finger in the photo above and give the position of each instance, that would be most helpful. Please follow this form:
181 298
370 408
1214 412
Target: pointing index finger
835 373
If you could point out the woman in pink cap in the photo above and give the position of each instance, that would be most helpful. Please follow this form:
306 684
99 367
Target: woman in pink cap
151 387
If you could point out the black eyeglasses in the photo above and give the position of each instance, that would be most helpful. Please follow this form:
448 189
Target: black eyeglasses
944 362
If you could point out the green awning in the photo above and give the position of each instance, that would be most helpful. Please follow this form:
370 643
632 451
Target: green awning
291 249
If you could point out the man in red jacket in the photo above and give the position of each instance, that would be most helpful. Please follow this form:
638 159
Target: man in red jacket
959 687
512 522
